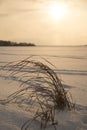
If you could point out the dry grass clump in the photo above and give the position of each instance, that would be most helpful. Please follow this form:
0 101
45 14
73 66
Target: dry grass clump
39 85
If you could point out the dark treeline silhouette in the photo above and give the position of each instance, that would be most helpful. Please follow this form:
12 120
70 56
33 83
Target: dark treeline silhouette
10 43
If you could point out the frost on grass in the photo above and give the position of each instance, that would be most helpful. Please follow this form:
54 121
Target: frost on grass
40 87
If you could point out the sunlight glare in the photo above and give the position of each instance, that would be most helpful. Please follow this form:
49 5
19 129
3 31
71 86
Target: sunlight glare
57 11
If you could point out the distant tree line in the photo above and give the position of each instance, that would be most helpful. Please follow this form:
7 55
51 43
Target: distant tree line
10 43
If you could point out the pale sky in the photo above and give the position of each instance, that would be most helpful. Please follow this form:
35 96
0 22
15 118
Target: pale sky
37 21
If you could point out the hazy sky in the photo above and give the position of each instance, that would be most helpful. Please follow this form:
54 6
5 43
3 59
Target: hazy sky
37 21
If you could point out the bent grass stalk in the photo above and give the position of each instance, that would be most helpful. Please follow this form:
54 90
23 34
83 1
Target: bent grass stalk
39 85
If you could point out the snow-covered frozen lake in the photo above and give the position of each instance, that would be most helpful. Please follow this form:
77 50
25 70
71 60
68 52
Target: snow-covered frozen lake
71 66
70 63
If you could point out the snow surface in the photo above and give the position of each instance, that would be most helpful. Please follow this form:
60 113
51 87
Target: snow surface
71 66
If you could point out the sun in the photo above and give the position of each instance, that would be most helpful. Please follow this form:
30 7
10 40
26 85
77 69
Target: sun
57 10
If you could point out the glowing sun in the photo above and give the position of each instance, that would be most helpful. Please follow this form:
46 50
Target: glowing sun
57 11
